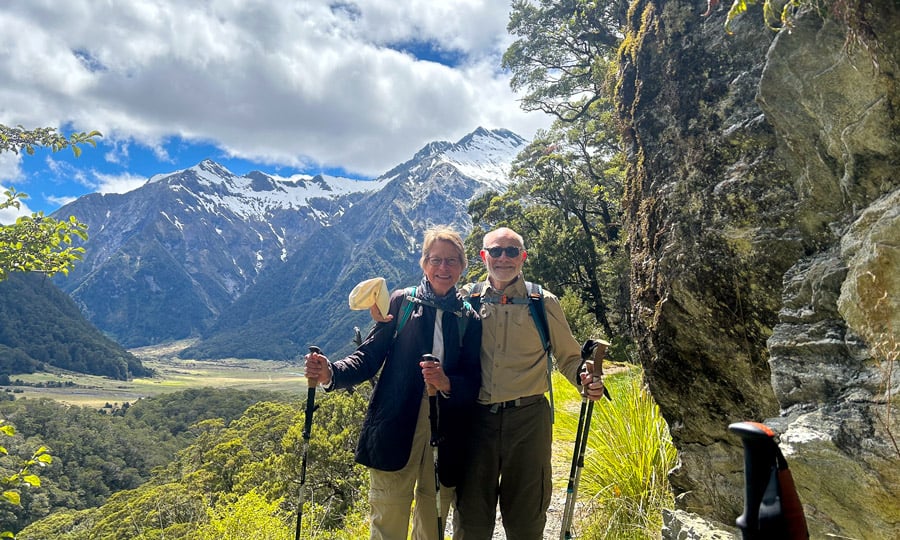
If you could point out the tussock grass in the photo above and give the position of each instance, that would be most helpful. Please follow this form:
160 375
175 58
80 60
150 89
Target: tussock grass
623 487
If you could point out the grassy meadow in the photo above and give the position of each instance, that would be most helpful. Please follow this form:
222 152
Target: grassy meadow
172 374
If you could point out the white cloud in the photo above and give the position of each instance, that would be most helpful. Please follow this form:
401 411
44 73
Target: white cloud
10 168
59 201
107 183
63 171
279 82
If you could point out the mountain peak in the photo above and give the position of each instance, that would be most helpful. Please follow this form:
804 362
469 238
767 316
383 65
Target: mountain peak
203 251
210 166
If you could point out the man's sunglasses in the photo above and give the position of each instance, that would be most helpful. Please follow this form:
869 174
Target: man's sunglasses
511 251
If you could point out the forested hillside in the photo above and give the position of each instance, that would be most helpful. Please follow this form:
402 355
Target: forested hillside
96 454
40 325
233 469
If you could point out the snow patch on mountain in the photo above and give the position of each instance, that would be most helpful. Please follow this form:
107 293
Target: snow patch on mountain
256 195
484 156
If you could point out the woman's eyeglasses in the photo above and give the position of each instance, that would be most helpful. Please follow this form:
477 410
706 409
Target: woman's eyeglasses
452 262
511 251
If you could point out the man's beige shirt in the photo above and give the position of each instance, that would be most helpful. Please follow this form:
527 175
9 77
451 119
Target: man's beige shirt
513 361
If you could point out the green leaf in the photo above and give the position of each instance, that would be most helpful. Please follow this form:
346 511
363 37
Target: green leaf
32 480
738 7
12 497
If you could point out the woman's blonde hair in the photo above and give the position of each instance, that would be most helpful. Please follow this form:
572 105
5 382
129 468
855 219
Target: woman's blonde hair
447 234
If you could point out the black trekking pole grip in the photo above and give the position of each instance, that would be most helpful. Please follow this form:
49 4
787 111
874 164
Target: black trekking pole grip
310 398
430 388
759 458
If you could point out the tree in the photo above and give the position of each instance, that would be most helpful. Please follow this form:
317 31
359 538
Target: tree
562 51
568 182
238 479
18 138
10 484
35 244
565 200
38 243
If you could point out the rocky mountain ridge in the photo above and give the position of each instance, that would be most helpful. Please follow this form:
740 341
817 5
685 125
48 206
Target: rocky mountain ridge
204 252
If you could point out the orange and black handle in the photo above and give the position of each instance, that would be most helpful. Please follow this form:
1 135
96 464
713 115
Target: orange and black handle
772 507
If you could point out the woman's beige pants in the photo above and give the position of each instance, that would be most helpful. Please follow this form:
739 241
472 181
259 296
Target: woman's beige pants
391 492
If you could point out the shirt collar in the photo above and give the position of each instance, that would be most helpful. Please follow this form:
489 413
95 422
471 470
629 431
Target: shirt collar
515 288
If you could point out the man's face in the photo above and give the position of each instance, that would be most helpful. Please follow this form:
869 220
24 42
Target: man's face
503 268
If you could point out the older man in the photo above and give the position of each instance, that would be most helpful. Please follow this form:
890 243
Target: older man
510 440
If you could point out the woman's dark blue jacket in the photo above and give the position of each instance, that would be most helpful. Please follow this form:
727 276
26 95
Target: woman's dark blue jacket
387 432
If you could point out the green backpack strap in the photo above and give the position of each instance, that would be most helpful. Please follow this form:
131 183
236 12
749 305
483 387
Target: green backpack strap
406 307
538 312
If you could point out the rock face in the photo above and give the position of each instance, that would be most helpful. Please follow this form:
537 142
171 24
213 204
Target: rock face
763 209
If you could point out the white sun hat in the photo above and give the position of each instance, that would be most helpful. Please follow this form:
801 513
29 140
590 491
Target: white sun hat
371 292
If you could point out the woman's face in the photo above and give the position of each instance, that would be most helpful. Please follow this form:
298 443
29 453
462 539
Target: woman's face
445 274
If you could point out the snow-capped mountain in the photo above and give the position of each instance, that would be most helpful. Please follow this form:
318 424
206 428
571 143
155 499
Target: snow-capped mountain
260 265
258 195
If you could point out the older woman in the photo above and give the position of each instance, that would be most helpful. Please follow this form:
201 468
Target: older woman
395 439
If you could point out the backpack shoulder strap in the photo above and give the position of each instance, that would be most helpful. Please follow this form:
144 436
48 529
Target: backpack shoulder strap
474 296
406 307
463 320
538 312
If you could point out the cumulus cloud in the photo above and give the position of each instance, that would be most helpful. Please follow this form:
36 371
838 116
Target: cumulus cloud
333 83
123 183
10 168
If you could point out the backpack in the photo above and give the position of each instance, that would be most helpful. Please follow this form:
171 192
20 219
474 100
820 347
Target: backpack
538 312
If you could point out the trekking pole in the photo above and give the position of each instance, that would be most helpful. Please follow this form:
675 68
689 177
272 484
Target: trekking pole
435 440
588 351
307 432
772 508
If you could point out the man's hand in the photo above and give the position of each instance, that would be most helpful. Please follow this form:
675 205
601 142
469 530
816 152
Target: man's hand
593 387
318 369
377 316
593 352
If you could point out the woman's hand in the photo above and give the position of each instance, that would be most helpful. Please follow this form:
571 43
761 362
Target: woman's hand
435 376
318 369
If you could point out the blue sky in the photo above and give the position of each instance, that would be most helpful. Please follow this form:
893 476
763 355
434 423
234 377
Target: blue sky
346 88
